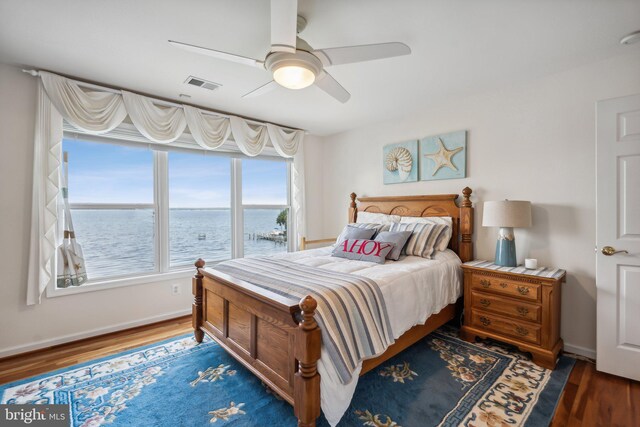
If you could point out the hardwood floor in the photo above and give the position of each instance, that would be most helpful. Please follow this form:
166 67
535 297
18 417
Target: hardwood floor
590 398
52 358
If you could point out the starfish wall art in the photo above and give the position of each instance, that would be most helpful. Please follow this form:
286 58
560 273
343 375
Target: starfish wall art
443 156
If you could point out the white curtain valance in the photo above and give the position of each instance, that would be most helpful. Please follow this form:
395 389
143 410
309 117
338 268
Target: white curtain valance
285 143
90 111
250 141
160 124
210 132
96 110
99 110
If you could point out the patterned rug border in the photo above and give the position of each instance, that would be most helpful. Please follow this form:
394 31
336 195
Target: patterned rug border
550 389
555 386
471 396
3 387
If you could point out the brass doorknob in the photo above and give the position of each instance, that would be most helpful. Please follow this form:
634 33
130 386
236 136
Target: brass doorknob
609 250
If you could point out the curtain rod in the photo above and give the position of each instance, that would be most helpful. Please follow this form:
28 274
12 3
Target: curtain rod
36 73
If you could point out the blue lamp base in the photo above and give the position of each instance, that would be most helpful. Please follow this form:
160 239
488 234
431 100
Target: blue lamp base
506 248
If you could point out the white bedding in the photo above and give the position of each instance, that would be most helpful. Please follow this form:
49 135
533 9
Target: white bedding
413 288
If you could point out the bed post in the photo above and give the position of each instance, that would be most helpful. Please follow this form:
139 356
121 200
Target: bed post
353 209
306 393
196 308
466 226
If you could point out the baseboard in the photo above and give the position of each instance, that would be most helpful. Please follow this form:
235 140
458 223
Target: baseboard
582 351
12 351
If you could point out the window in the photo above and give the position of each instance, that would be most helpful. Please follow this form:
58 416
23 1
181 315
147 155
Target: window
265 206
111 197
199 208
141 209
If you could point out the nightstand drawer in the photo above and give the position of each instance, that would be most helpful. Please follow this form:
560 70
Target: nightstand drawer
521 331
515 309
526 291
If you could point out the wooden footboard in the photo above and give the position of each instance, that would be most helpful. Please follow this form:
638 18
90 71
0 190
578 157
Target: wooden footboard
274 337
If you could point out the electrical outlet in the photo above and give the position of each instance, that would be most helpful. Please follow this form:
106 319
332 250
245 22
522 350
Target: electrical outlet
175 289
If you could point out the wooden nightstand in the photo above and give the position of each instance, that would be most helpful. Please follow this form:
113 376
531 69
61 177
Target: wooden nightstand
516 306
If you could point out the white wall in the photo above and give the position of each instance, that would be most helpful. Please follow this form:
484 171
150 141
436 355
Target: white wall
533 141
70 317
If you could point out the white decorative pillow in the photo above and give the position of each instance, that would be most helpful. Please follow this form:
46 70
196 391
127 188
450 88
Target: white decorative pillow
447 220
376 218
424 239
360 231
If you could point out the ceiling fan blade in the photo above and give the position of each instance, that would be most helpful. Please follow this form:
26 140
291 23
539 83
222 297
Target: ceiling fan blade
218 54
284 18
261 90
330 85
368 52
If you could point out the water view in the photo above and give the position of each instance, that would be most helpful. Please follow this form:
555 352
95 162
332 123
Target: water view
118 242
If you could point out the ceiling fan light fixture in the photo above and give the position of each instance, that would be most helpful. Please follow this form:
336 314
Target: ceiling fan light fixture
293 70
294 76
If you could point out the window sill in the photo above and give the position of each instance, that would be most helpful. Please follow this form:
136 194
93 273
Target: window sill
100 285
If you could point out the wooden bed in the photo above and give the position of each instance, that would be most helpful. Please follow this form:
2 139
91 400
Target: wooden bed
279 340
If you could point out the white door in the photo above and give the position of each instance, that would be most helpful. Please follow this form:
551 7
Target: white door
618 236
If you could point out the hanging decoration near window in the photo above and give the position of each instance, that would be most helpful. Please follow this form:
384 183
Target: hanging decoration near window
71 266
98 110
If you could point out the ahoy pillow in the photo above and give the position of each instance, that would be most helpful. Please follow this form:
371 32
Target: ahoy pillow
363 250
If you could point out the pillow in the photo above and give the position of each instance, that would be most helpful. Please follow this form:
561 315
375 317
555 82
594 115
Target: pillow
399 238
363 250
350 231
444 243
424 237
376 218
354 232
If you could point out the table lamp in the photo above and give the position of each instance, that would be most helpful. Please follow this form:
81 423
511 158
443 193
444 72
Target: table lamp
506 214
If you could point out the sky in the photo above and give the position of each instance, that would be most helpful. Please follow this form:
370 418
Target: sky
105 173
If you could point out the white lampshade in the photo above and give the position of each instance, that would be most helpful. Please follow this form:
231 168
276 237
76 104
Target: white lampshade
507 213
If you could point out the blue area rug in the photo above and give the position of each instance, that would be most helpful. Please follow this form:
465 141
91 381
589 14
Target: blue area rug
440 381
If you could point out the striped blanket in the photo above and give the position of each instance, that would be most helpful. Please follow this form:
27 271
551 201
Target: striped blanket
351 312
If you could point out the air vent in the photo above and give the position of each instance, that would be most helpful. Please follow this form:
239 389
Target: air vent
205 84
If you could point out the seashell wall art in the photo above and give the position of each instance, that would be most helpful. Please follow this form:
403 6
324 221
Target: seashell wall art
400 162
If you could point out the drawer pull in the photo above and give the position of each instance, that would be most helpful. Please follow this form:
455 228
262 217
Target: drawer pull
503 285
485 302
485 321
523 311
522 331
524 290
485 283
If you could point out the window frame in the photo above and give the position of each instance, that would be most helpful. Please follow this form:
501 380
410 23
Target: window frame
240 207
127 135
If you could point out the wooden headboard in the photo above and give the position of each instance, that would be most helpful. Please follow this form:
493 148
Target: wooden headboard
428 205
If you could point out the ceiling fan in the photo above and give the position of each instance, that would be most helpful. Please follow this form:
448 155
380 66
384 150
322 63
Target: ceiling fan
293 63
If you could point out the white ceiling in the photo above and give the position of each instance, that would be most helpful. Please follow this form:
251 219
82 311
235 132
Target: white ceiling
459 47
